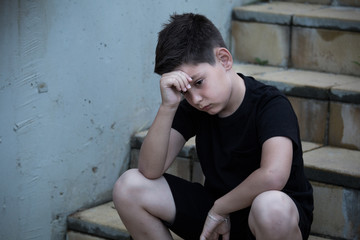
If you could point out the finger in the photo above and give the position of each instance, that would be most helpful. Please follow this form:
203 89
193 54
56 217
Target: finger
172 81
186 75
184 81
176 79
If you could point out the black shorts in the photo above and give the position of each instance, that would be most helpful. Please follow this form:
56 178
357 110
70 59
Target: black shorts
193 202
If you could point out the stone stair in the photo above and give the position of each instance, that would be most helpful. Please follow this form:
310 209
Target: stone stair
311 52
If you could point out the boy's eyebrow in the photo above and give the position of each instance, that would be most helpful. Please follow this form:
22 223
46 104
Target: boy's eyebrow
195 76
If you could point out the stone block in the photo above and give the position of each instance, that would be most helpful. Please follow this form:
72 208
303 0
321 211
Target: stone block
336 211
306 84
346 92
344 18
180 167
278 12
332 51
331 165
322 2
101 221
354 3
344 125
312 117
253 69
260 42
309 146
71 235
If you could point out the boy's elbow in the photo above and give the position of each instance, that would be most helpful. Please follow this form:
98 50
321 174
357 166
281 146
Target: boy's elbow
277 181
150 174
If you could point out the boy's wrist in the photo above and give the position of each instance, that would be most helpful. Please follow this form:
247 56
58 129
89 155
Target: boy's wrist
168 107
218 209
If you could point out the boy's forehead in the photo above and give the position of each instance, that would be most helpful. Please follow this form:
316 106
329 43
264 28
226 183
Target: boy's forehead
194 70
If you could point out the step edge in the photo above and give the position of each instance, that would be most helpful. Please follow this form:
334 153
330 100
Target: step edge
301 17
99 230
328 92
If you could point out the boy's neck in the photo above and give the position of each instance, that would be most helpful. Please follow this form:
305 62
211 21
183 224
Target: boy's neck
237 94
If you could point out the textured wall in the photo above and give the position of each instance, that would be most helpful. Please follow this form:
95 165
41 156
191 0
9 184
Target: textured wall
76 81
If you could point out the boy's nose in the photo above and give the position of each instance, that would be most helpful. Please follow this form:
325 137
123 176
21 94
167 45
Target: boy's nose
196 98
193 97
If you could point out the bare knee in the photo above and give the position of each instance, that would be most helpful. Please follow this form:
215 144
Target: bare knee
128 186
273 213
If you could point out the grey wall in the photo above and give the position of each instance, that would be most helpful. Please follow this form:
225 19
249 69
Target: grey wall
76 81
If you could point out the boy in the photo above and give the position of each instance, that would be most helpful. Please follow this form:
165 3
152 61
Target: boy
247 141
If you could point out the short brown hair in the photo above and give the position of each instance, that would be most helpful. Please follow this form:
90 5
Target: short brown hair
187 39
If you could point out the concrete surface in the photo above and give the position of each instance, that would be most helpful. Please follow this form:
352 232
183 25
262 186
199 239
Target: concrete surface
248 43
326 50
344 125
323 38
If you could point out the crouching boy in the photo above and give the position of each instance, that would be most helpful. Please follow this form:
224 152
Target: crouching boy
247 141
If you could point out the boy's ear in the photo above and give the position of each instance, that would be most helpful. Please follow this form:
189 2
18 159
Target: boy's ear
224 57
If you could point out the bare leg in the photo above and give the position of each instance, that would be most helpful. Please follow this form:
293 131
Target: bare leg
142 205
274 215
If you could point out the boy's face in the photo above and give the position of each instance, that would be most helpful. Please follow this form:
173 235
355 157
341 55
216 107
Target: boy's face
210 88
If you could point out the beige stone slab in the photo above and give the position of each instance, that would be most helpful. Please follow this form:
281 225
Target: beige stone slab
104 216
100 221
71 235
253 69
180 167
309 78
309 146
344 125
322 2
325 50
354 3
346 18
349 87
343 88
332 159
274 12
349 92
307 84
251 46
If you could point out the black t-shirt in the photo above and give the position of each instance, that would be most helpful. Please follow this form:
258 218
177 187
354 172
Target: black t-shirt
229 149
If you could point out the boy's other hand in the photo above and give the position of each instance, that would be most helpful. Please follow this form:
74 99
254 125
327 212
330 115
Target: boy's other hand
172 85
216 226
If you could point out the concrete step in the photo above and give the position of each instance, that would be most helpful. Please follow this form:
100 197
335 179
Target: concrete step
100 222
103 223
327 105
304 36
351 3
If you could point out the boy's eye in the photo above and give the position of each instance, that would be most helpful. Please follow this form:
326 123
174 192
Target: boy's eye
199 82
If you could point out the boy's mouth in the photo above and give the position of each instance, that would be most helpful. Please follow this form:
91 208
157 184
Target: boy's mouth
205 108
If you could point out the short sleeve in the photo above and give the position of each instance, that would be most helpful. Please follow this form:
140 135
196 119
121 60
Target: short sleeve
276 117
184 120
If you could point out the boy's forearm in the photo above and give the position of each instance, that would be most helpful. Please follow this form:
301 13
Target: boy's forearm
244 194
273 174
154 149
